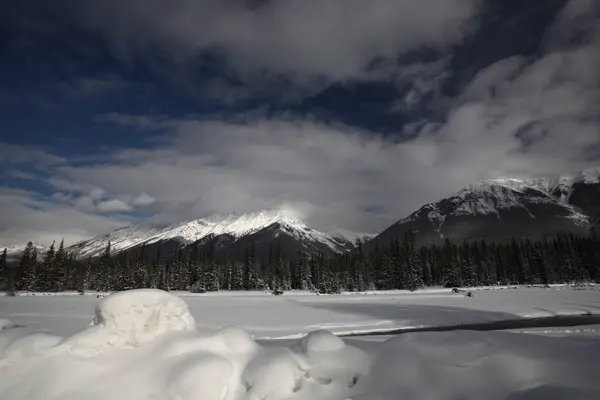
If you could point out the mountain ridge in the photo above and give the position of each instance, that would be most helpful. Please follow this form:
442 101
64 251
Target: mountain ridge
507 207
234 226
504 207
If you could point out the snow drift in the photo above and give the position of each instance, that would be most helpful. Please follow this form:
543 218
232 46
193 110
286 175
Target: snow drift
144 344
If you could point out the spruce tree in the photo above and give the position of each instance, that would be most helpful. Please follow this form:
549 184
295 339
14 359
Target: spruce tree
83 275
28 269
277 277
414 267
248 266
3 269
305 280
121 276
8 274
210 272
58 271
467 269
426 265
44 278
140 269
238 275
103 277
450 265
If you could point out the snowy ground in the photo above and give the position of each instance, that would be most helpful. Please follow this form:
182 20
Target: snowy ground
146 344
294 314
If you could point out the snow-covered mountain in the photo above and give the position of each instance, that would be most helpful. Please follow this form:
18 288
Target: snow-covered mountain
502 208
14 252
225 230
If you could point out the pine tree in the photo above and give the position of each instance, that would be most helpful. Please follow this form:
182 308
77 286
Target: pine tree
44 277
7 273
414 267
69 279
237 275
180 278
58 270
210 272
539 267
248 266
426 266
305 279
579 273
3 270
103 276
467 269
278 270
28 268
140 270
398 266
450 265
121 276
83 275
595 256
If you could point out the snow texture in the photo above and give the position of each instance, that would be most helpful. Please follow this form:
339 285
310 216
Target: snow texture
492 365
143 345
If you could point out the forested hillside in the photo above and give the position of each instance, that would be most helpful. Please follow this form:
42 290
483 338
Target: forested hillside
395 265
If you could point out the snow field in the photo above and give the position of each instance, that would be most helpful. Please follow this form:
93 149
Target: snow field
145 344
486 365
294 314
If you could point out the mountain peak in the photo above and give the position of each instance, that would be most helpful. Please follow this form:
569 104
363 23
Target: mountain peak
507 207
234 226
545 184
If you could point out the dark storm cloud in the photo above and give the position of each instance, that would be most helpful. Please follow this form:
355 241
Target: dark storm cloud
336 39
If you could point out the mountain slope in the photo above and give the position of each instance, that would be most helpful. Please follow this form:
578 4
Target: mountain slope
499 209
231 232
14 253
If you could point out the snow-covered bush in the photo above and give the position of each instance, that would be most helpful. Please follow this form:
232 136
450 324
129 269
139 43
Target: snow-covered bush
197 288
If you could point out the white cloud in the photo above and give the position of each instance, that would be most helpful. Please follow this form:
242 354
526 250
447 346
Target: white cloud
336 39
143 200
113 205
27 216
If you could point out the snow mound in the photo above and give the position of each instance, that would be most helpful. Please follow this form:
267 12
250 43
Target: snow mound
5 323
143 344
320 341
132 318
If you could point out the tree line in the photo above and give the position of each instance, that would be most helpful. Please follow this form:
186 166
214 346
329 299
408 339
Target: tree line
399 264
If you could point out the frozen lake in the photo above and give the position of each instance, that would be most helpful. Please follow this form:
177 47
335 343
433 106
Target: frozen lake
294 314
